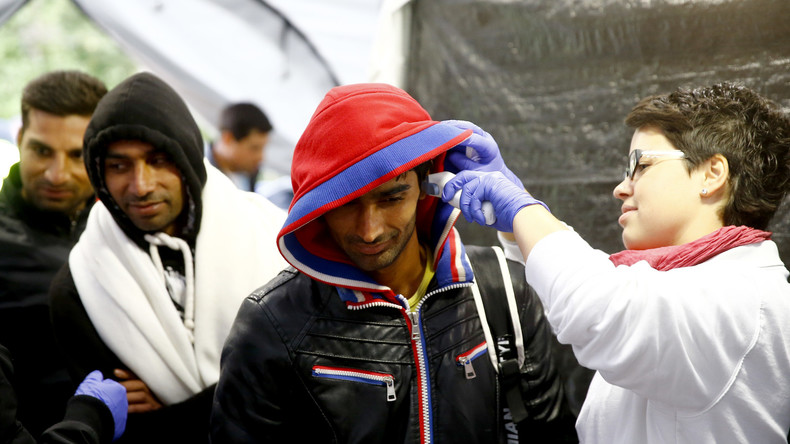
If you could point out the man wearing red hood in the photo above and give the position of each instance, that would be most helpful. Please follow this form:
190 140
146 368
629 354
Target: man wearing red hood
374 334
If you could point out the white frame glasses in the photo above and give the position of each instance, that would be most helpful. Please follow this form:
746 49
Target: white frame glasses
635 156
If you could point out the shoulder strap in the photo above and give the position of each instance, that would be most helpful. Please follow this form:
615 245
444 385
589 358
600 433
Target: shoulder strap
499 317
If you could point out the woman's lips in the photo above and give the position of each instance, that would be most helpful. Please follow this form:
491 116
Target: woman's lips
626 211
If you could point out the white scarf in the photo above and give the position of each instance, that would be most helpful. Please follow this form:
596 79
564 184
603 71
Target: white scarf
123 288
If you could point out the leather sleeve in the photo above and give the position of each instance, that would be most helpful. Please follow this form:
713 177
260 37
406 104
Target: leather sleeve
245 410
258 390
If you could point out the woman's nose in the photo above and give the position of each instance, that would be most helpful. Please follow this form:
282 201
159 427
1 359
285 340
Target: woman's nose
623 189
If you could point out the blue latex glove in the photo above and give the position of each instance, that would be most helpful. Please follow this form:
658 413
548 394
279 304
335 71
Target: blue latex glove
506 197
479 152
110 393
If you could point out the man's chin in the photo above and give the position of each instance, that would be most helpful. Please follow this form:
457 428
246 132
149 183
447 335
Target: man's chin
372 263
59 206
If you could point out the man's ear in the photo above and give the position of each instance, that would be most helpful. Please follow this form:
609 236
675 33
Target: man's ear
420 181
227 137
424 178
716 171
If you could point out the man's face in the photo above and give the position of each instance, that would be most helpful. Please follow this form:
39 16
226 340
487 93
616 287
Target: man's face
245 155
50 162
375 229
145 183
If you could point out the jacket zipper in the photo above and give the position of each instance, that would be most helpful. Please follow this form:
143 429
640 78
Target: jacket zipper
415 326
363 376
466 359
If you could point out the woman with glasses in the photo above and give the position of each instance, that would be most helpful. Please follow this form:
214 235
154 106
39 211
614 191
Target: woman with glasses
689 327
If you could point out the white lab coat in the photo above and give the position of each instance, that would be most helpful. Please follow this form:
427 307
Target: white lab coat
693 355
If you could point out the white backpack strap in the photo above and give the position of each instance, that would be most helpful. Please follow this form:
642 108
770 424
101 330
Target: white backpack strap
511 304
512 310
481 312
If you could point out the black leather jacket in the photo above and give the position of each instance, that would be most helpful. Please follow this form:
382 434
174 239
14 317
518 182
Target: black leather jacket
299 365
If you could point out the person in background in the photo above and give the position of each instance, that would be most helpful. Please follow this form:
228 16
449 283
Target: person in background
150 291
96 413
375 335
687 328
44 203
239 152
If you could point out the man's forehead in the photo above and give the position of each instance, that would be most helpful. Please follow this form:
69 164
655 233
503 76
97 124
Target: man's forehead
45 121
403 178
32 140
61 133
399 183
129 147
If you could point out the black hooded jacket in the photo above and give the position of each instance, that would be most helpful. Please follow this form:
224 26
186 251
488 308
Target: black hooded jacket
142 108
34 245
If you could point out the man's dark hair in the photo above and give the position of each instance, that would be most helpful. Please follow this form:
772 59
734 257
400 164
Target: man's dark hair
241 118
752 132
422 170
62 93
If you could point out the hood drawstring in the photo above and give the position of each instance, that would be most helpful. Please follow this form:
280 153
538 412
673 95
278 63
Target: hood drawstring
178 244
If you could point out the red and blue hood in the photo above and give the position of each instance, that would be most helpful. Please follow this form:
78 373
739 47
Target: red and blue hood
360 137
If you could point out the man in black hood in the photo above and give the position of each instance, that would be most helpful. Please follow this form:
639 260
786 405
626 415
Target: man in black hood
152 286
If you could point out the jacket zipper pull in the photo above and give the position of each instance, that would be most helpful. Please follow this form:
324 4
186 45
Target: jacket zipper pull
415 325
390 388
468 368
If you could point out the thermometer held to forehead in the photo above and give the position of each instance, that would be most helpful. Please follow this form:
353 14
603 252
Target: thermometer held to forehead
434 184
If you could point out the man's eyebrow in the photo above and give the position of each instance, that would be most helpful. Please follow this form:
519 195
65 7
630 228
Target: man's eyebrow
395 190
39 144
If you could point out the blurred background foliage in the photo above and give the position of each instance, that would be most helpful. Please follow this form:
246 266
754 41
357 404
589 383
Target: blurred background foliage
47 35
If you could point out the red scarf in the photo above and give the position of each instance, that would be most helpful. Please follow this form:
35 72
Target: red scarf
694 252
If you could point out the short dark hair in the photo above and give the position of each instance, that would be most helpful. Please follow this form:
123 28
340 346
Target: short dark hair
62 93
423 169
750 131
241 118
420 170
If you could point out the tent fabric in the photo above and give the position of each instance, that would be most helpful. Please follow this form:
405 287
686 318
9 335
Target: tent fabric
8 8
283 55
552 81
216 52
390 55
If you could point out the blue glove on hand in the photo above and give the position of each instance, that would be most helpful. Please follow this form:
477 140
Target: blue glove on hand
479 152
110 393
506 197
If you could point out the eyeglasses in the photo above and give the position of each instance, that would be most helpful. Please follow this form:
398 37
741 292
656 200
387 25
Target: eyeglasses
636 156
